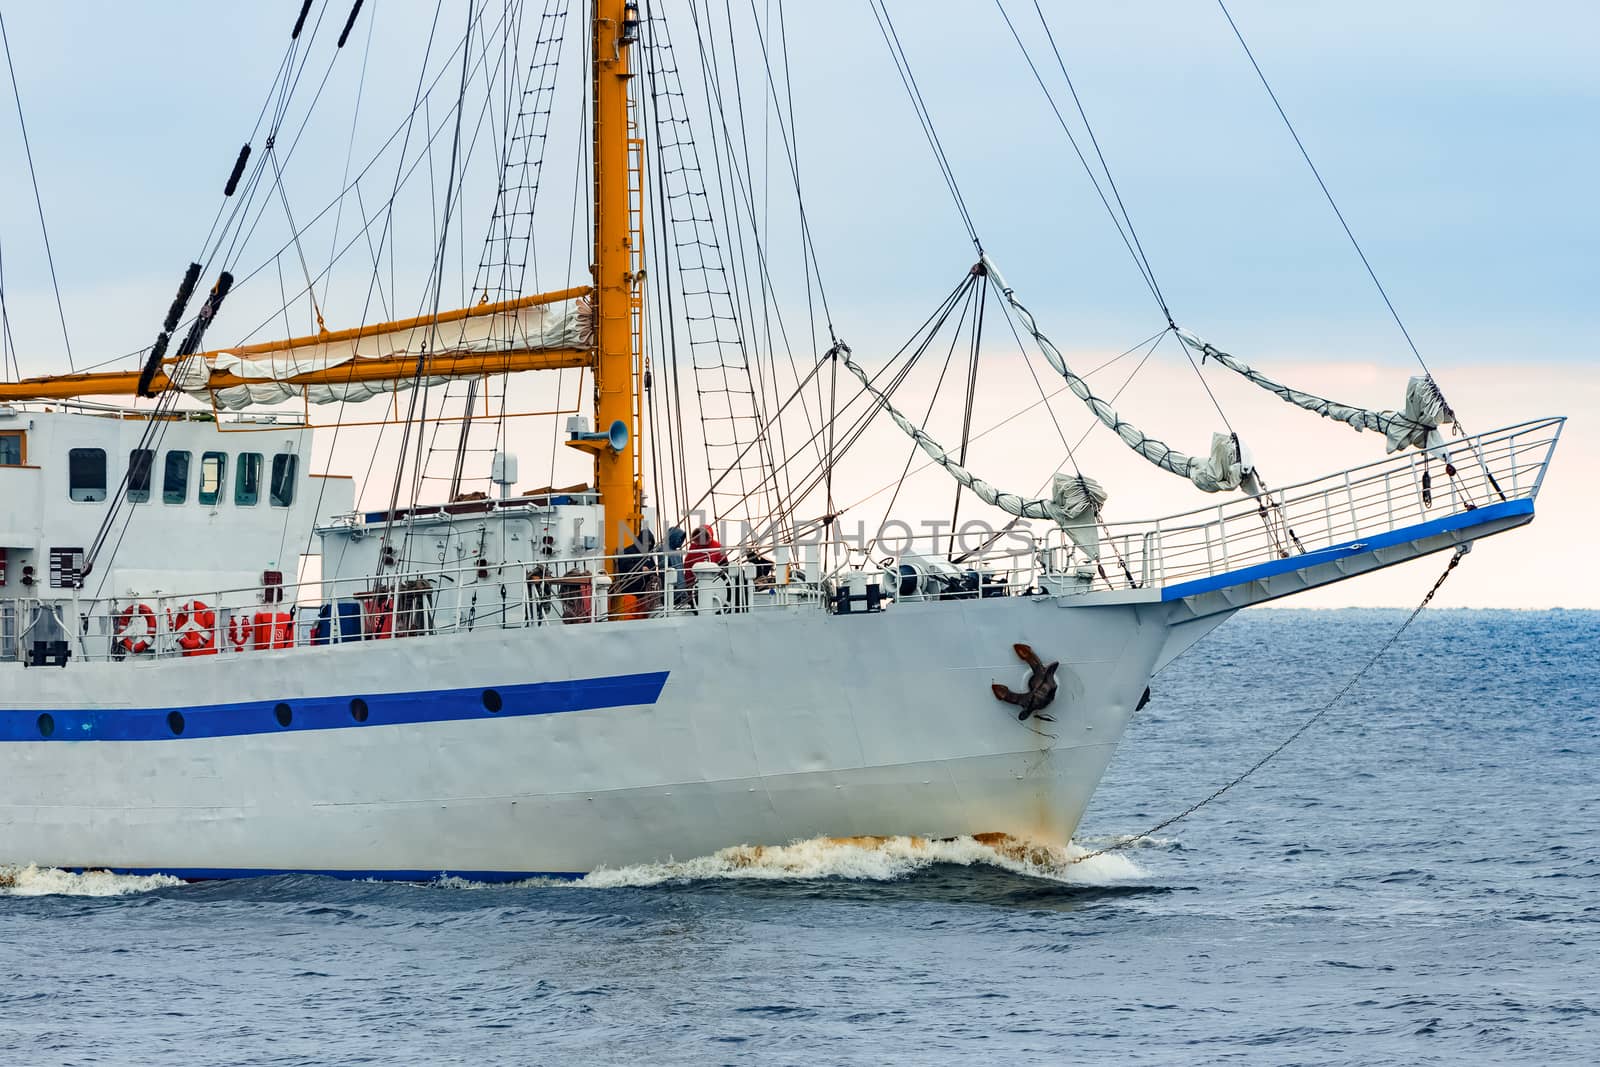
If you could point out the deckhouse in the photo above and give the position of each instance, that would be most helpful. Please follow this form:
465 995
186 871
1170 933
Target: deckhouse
190 502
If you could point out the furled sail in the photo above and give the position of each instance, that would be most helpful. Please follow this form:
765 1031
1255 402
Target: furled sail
1079 499
1227 467
1074 501
542 331
358 365
1417 426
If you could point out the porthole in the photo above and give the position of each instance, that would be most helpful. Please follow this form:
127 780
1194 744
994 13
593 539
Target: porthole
283 714
358 710
491 700
47 725
175 722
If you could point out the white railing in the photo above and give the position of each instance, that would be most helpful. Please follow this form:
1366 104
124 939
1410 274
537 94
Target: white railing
415 603
1406 489
1394 493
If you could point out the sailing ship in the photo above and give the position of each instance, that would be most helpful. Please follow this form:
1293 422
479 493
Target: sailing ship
545 681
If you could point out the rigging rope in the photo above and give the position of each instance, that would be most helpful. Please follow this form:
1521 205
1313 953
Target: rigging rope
508 244
731 181
37 200
1130 238
970 288
1418 426
418 378
665 316
732 167
725 390
880 12
811 267
156 425
1118 846
884 488
966 414
1324 186
1119 216
283 197
818 474
1227 468
8 347
791 136
1011 503
740 183
375 281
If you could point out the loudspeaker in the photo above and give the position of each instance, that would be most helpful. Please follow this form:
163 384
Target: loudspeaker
618 435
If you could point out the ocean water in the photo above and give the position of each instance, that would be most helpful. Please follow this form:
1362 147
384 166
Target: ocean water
1416 880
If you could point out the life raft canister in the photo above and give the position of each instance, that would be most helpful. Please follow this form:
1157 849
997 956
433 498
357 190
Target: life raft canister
274 629
136 628
196 627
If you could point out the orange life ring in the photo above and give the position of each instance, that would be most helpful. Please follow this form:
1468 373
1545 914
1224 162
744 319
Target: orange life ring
240 632
197 643
196 614
196 627
136 643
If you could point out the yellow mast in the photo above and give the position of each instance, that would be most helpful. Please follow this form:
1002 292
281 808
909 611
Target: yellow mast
616 376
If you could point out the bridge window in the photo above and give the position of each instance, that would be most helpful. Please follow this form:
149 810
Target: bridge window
283 466
247 482
213 472
141 466
175 480
86 474
13 448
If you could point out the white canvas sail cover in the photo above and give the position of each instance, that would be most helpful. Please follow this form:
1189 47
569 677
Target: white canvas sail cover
1228 466
1074 502
1079 501
270 374
1416 426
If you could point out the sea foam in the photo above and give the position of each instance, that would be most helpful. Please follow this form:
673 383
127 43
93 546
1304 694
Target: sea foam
876 859
864 859
35 881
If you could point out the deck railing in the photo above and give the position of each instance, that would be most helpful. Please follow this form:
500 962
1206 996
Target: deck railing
1403 490
1406 489
413 603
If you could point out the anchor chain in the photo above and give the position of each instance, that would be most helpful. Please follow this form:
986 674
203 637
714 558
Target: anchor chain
1461 550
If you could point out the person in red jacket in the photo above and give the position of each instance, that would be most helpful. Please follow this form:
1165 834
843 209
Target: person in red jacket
703 548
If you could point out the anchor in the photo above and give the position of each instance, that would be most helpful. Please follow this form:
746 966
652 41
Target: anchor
1041 687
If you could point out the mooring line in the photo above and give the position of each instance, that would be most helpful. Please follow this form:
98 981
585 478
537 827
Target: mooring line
1461 550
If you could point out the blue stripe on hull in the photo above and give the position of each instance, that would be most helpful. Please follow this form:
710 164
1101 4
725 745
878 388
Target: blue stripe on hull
1450 523
211 874
333 712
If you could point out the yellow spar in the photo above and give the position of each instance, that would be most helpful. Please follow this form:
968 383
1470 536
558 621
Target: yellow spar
394 366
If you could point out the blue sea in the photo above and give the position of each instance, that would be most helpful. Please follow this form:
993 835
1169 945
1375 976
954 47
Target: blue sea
1416 880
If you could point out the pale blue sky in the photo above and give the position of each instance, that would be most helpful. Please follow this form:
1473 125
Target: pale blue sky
1461 139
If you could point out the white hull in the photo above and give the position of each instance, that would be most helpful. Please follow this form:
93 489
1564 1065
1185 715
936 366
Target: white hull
562 748
766 729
